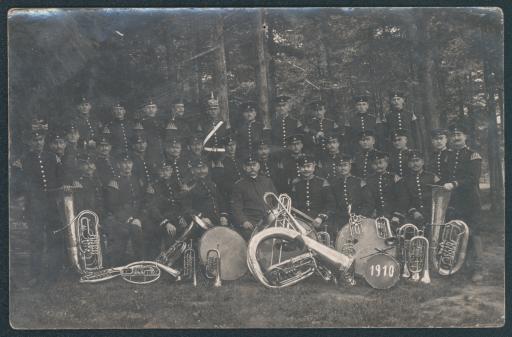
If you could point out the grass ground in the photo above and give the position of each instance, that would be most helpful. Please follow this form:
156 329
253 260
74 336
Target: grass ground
447 302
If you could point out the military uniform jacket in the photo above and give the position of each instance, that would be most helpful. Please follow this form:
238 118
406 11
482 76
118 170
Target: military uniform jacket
144 169
106 169
313 196
362 166
327 166
464 168
396 119
283 127
387 193
289 170
88 129
180 169
153 131
352 191
90 195
419 191
166 203
204 197
124 196
439 164
177 127
316 125
226 176
398 161
39 173
206 125
121 133
247 199
249 134
268 168
362 122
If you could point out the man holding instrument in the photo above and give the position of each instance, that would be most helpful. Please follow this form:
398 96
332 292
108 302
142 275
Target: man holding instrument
247 202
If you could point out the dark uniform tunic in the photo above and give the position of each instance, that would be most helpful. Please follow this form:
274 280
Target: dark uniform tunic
152 131
144 169
464 167
121 131
106 169
226 176
325 125
248 135
400 119
283 127
352 191
206 125
362 166
247 202
180 169
358 123
439 164
387 193
398 161
204 198
124 197
165 205
290 169
90 195
328 166
313 196
39 174
88 129
269 169
419 192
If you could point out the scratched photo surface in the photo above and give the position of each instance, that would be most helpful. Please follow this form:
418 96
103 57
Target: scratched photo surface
256 168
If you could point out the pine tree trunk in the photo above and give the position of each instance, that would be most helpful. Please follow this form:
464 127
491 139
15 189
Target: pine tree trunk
261 48
221 71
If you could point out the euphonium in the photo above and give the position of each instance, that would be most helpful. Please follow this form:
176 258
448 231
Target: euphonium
298 268
212 268
405 234
418 259
83 237
448 242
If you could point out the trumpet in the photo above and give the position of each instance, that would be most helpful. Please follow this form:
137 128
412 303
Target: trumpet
418 259
405 234
212 268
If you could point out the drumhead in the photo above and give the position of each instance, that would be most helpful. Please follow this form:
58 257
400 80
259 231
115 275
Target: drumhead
382 271
232 249
366 244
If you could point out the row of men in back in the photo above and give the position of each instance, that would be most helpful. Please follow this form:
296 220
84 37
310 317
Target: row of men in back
147 179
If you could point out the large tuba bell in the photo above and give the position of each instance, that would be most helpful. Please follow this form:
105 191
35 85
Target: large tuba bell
83 237
448 242
298 268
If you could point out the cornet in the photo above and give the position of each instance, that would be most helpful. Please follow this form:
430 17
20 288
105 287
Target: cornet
212 268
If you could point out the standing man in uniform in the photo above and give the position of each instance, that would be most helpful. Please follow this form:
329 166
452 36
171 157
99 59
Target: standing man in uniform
398 117
173 157
177 124
282 124
152 125
105 165
230 171
289 163
312 194
120 131
318 127
464 167
438 163
268 164
361 121
250 132
143 168
88 127
213 147
247 204
399 156
349 191
363 159
329 162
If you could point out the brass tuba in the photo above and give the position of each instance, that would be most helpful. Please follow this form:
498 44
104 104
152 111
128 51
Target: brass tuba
212 267
83 237
448 242
298 268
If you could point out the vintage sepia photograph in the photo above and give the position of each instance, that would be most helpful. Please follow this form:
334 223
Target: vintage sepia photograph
220 168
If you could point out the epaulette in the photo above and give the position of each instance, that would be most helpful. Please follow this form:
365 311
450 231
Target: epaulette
113 184
295 180
363 183
397 178
325 183
475 156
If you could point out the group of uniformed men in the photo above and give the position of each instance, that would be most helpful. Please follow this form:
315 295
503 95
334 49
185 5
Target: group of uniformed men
146 177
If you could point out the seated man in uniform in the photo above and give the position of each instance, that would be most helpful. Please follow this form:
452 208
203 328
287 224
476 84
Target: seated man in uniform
312 194
124 207
247 202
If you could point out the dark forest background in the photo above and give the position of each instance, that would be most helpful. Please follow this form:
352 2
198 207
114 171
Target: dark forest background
448 60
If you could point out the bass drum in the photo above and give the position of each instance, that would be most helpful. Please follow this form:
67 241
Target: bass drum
274 251
232 248
365 244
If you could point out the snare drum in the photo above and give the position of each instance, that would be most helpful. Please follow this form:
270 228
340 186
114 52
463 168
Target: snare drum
232 248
